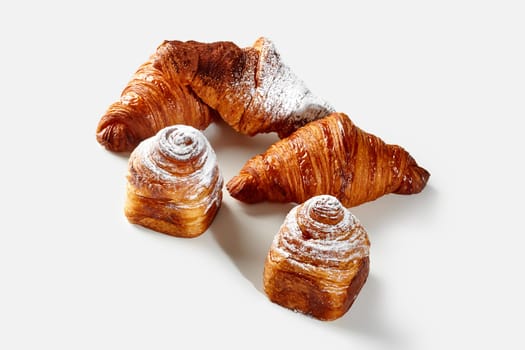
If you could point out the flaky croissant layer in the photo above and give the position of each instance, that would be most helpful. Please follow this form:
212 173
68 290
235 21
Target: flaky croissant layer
328 156
153 99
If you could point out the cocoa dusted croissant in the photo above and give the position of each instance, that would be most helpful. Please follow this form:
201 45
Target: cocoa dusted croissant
174 184
328 156
189 82
255 92
319 260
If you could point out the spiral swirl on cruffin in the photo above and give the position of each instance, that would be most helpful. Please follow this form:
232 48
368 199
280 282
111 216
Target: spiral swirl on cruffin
322 233
176 157
174 177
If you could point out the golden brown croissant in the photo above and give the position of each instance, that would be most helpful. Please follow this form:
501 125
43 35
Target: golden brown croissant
174 183
152 100
328 156
186 82
319 260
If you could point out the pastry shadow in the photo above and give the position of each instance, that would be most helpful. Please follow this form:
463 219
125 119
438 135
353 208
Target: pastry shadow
377 215
222 136
366 317
199 243
245 242
124 156
120 156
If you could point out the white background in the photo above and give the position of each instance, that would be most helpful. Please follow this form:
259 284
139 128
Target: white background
444 79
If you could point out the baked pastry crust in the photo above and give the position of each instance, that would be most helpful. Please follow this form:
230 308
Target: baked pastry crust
319 260
191 82
254 91
153 99
174 185
328 156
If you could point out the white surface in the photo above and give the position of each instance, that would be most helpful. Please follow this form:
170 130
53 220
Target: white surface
443 79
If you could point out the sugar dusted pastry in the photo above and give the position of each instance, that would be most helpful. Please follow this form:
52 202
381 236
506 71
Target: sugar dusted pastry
254 91
319 260
328 156
191 82
174 183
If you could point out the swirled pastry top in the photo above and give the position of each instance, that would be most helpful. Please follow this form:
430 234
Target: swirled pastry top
321 233
177 159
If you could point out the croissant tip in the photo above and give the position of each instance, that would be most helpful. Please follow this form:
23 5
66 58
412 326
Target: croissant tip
116 137
414 180
244 187
424 175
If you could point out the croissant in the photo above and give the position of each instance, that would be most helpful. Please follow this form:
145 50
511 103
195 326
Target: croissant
152 100
190 82
328 156
319 260
255 92
173 184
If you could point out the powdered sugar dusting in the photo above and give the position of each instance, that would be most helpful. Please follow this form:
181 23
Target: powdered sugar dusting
179 158
334 243
285 96
324 218
183 143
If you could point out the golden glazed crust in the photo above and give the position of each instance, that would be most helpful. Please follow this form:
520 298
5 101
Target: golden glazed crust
285 285
160 216
328 156
153 99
